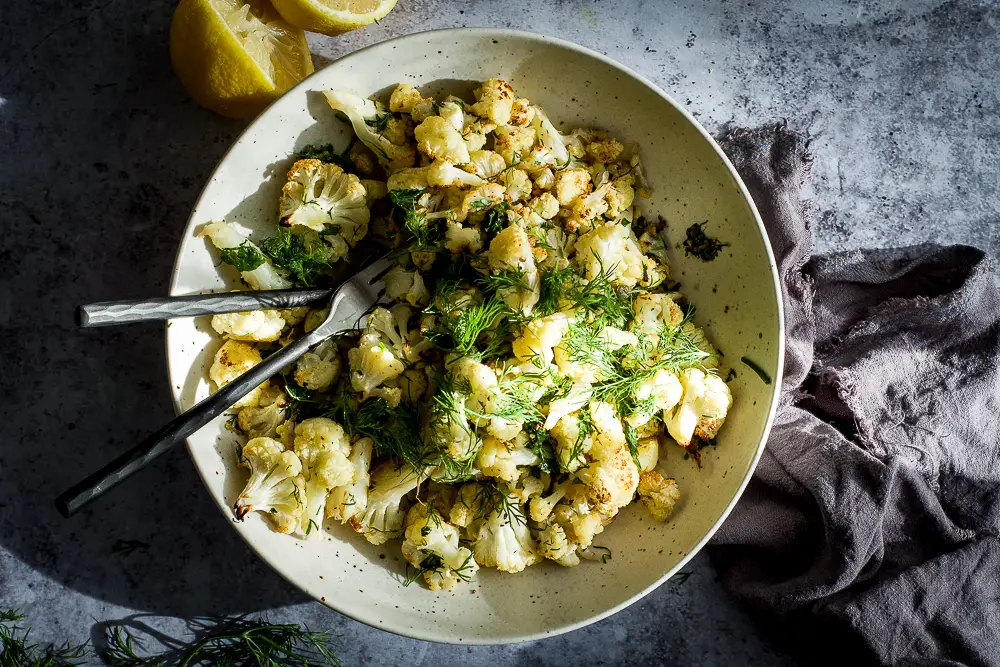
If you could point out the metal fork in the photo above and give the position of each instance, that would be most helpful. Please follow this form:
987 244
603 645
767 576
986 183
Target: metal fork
348 305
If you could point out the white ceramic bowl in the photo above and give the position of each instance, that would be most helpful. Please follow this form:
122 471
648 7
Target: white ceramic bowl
737 295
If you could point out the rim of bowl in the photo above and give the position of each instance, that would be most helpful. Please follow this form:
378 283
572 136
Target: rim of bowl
264 117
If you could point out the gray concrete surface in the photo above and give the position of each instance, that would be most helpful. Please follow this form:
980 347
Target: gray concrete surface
102 155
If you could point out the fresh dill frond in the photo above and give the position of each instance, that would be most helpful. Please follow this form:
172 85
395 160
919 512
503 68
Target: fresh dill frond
585 345
18 652
586 429
430 563
600 296
492 499
427 234
395 432
327 153
465 326
290 252
508 279
632 440
554 284
239 641
244 257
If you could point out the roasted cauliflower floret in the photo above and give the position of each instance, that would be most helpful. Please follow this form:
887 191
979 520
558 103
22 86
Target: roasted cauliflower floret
574 439
323 448
323 198
431 545
553 150
403 98
255 325
263 419
545 206
318 369
521 112
486 164
500 459
605 151
458 239
653 312
404 285
503 541
382 518
275 487
704 406
513 143
495 101
611 476
511 251
610 249
517 185
351 499
554 544
364 116
259 273
379 358
659 495
571 184
438 139
534 347
658 393
231 361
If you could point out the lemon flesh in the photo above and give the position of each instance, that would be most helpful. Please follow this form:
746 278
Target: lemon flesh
332 17
236 57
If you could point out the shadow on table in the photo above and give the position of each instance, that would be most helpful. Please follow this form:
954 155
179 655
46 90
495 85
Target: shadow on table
100 200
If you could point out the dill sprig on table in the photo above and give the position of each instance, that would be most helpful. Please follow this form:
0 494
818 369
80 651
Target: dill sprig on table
230 642
18 652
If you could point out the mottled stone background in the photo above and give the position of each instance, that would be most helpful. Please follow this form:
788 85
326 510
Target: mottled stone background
102 155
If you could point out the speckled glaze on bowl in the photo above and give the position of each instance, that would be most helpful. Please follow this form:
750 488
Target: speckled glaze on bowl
737 294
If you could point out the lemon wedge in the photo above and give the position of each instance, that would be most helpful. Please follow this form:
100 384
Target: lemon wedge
236 56
332 17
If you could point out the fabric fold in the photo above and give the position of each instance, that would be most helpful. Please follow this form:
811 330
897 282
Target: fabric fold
876 505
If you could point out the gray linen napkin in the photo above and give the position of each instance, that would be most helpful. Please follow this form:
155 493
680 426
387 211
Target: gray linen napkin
876 506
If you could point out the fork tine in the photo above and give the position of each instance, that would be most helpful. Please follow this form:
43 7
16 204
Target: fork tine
376 269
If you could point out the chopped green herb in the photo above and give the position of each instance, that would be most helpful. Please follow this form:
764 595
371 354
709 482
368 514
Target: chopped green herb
761 373
380 122
328 154
245 257
395 432
427 234
289 251
700 244
495 221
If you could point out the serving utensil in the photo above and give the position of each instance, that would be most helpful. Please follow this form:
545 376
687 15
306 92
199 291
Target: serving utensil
348 304
108 313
